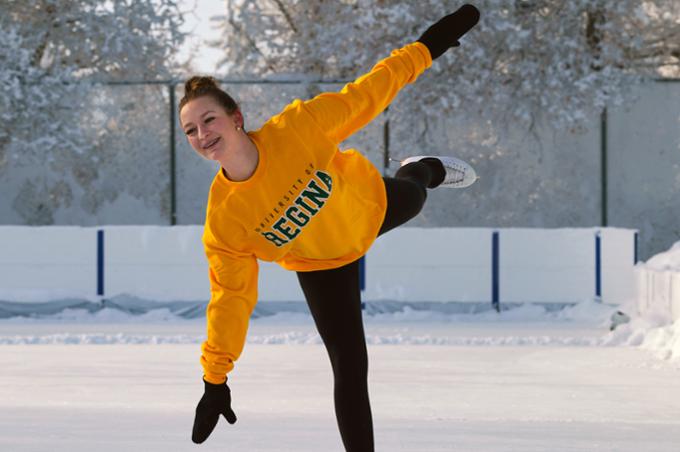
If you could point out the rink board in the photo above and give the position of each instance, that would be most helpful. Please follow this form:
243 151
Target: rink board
166 263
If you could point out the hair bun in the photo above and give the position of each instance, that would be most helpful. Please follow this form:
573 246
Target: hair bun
199 86
200 83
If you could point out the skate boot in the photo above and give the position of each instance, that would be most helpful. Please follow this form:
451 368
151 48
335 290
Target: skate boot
459 174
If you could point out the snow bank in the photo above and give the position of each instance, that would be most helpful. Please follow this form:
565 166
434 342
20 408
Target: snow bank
585 324
658 285
649 333
666 261
655 325
521 325
585 312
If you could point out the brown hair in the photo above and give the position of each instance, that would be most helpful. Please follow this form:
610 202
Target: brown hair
199 86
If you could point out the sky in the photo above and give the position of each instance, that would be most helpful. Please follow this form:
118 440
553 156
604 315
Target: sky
200 29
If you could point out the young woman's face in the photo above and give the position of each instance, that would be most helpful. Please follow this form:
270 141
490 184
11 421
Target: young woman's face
208 127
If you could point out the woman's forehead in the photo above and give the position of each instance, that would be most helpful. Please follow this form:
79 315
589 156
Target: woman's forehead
197 107
200 104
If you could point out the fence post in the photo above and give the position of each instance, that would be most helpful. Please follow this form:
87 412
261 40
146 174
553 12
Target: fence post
495 271
173 156
100 264
603 166
598 267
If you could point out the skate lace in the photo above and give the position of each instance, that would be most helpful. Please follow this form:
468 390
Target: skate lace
456 172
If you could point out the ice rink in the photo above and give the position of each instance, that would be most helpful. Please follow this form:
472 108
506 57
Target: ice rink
511 382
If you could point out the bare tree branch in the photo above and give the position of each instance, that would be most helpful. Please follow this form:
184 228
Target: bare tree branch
286 14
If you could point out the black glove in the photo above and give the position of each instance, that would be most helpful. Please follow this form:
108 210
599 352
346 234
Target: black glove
449 29
216 400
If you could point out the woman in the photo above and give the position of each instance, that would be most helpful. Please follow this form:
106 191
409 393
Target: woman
285 193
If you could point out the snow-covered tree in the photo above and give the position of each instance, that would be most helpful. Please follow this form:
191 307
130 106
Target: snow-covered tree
54 55
553 60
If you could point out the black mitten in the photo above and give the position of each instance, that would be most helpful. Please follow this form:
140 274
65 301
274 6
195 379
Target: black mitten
216 400
446 33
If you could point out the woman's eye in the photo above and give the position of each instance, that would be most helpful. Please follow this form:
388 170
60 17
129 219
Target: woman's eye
207 120
190 131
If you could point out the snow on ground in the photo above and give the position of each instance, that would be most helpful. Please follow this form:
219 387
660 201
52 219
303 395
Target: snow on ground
583 324
577 325
526 379
654 329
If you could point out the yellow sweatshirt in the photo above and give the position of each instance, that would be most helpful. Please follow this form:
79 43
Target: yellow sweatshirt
308 206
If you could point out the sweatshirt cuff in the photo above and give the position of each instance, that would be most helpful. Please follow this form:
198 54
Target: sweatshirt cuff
215 379
424 51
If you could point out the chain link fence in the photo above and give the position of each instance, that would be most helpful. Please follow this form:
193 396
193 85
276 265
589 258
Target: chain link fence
623 171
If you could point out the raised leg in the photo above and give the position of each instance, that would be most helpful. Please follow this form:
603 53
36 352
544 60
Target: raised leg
407 191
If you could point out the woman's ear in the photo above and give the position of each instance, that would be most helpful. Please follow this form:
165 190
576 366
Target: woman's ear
237 116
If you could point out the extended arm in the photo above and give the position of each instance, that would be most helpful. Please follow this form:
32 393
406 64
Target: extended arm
341 114
233 294
233 289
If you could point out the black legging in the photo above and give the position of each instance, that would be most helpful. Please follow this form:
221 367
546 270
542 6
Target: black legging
334 299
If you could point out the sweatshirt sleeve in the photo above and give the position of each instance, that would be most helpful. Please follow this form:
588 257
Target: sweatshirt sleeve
233 294
341 114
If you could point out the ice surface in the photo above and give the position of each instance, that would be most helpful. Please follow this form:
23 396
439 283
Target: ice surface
424 398
527 379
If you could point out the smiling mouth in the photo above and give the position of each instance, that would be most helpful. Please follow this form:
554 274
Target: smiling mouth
212 143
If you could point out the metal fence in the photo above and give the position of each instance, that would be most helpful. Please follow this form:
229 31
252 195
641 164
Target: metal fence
624 171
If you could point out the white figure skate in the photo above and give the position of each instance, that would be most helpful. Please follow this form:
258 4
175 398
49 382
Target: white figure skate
459 174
